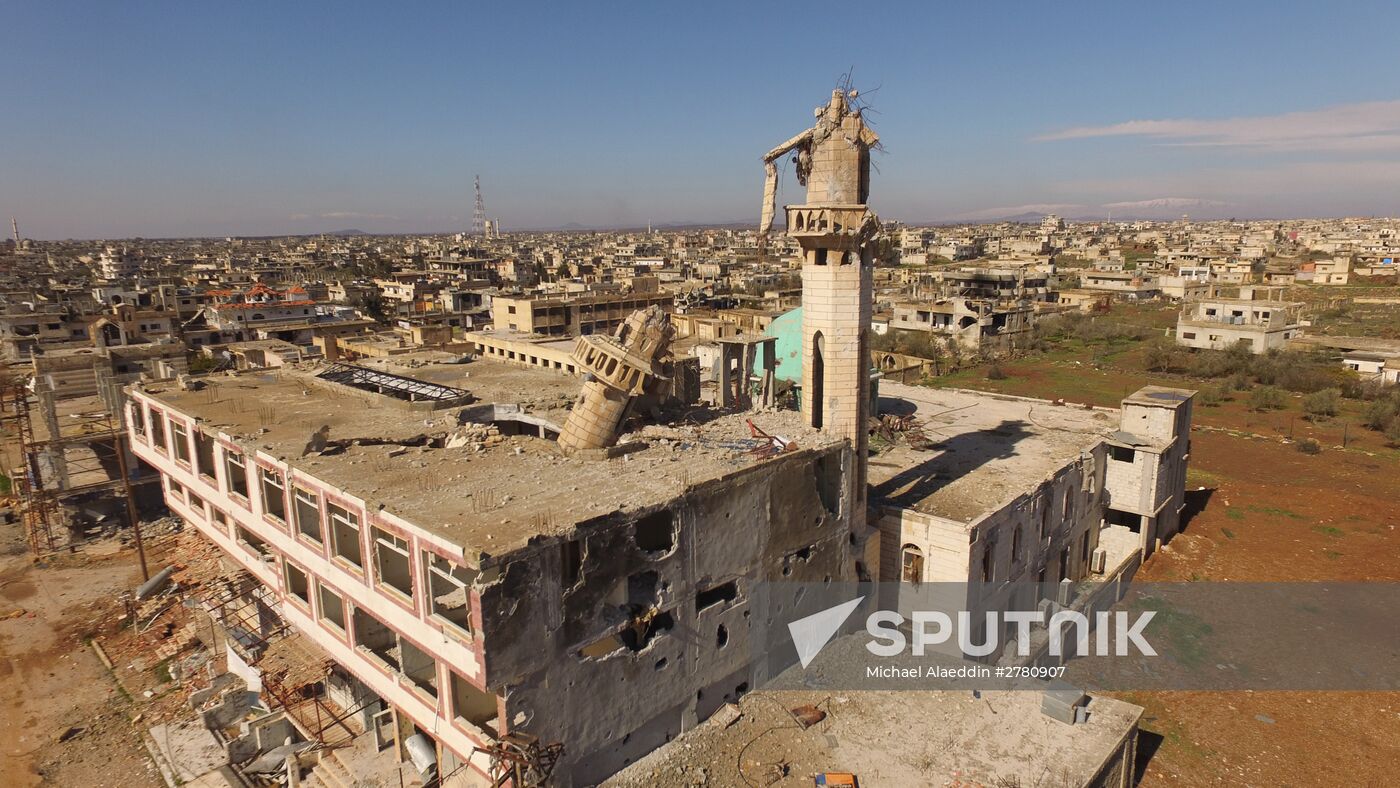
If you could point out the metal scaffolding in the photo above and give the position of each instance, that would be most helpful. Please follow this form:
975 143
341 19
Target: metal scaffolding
46 473
36 503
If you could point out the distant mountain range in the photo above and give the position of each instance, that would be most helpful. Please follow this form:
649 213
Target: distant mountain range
1159 209
576 227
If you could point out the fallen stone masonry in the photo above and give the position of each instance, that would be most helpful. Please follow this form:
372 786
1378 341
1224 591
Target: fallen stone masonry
477 437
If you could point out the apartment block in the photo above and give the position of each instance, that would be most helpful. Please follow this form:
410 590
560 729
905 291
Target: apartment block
571 315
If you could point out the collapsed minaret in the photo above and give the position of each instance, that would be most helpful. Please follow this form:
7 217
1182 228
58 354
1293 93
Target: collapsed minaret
616 368
834 228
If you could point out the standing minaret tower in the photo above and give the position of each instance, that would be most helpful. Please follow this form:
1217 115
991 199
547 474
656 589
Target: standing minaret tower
834 228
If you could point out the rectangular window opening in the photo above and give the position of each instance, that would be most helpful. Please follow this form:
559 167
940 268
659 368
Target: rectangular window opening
391 562
181 441
236 473
420 668
204 455
252 541
332 607
345 535
473 706
377 640
298 585
449 591
274 494
308 512
158 429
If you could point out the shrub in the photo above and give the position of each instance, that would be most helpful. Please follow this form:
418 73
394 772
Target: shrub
1380 413
1220 364
1309 446
995 372
1322 404
1392 432
1159 357
200 363
1267 398
1211 396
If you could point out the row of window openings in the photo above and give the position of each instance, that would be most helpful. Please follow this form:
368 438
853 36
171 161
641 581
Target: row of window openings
446 581
392 651
511 355
912 560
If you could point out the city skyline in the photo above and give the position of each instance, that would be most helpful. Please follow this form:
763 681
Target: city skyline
302 121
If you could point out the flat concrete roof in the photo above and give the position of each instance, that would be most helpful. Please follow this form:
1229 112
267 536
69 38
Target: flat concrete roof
1160 396
890 738
511 335
490 501
988 449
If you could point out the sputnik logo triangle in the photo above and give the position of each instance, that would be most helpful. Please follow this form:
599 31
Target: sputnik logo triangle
811 634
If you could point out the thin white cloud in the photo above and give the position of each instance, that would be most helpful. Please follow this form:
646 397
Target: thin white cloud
1349 128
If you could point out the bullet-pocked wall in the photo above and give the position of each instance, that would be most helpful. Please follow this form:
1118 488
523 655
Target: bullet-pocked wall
634 627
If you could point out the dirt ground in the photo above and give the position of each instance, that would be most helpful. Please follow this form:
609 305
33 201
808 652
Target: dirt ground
1276 514
66 723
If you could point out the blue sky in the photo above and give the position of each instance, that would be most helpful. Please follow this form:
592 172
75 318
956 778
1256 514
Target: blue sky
201 118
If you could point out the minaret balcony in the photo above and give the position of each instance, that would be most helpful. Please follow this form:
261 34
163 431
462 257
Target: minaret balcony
834 226
610 363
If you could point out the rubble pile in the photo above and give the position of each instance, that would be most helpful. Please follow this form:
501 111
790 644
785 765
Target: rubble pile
476 437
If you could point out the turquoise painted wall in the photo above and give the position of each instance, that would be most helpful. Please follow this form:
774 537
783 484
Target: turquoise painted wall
787 327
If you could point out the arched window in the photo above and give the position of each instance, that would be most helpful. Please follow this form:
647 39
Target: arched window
818 374
912 563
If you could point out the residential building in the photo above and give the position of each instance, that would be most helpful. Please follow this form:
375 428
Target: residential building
1219 323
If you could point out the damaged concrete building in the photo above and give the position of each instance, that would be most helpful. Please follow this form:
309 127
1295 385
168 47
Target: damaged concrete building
483 589
1011 498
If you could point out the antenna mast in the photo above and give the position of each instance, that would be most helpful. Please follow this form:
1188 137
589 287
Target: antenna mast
479 217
